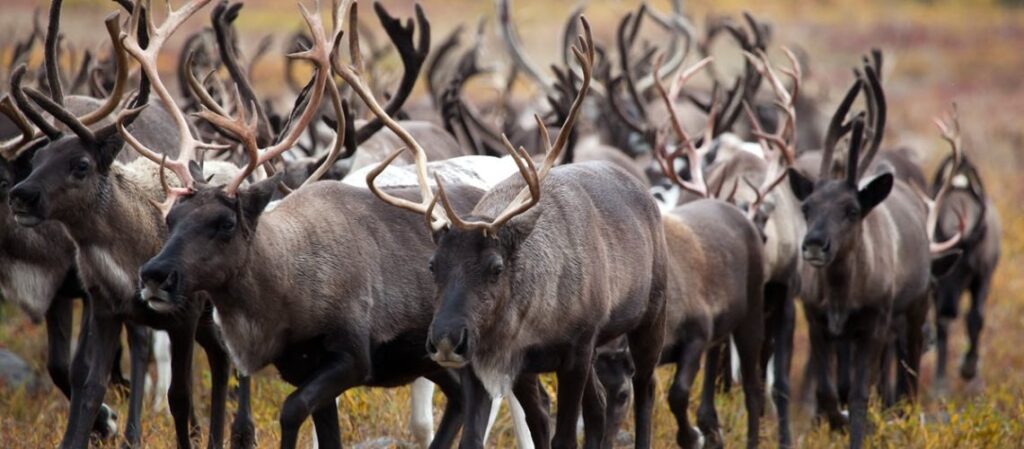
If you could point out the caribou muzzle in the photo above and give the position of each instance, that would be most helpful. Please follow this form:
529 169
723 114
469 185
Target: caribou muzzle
161 285
28 204
449 348
816 250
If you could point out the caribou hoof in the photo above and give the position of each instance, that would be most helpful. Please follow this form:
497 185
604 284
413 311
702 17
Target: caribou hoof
105 426
691 438
969 367
243 434
714 440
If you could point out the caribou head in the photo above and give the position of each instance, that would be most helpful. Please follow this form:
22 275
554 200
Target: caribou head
834 208
68 170
211 226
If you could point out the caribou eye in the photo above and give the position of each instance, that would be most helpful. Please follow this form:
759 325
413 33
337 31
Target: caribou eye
852 213
80 168
226 226
805 209
497 266
4 184
430 264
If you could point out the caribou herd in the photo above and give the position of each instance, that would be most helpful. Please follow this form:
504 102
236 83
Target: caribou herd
679 214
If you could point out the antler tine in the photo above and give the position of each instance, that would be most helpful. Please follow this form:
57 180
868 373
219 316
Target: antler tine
625 36
320 54
877 105
529 196
950 130
113 25
837 127
352 76
187 144
696 184
678 25
339 136
8 108
508 32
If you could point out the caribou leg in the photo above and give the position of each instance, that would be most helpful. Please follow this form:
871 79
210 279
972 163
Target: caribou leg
594 405
645 344
345 371
220 369
91 374
530 394
748 342
781 324
866 352
243 430
975 322
325 420
451 419
139 344
179 396
687 365
572 383
478 407
821 349
911 367
947 300
58 340
421 420
707 416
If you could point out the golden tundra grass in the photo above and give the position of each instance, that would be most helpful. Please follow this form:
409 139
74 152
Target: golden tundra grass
936 52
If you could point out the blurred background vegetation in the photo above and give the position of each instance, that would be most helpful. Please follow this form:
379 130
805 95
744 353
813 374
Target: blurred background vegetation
937 52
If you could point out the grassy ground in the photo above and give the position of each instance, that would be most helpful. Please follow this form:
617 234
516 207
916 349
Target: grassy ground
937 52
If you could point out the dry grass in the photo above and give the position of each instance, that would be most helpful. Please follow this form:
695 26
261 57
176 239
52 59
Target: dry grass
937 52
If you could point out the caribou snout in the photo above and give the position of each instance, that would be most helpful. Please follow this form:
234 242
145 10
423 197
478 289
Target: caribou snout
449 348
159 282
26 201
816 250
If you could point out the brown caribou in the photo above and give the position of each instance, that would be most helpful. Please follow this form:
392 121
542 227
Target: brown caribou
547 267
332 302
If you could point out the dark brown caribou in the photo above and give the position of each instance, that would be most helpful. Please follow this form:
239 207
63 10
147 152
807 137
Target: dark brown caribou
867 261
104 204
965 209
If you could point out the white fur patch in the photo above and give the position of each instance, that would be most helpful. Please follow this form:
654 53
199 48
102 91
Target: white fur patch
31 287
496 381
247 345
421 421
961 182
101 262
162 356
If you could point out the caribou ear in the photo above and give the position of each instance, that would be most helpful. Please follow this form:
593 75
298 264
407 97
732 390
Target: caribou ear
254 198
801 186
197 172
942 265
107 149
874 193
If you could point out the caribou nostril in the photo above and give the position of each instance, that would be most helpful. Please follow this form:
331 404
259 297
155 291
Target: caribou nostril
431 349
463 345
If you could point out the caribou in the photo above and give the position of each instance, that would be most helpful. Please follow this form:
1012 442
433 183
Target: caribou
965 209
530 252
317 332
867 259
104 204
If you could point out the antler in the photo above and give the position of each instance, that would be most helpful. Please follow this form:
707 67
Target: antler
113 26
508 32
778 147
244 129
529 196
950 129
687 147
147 58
